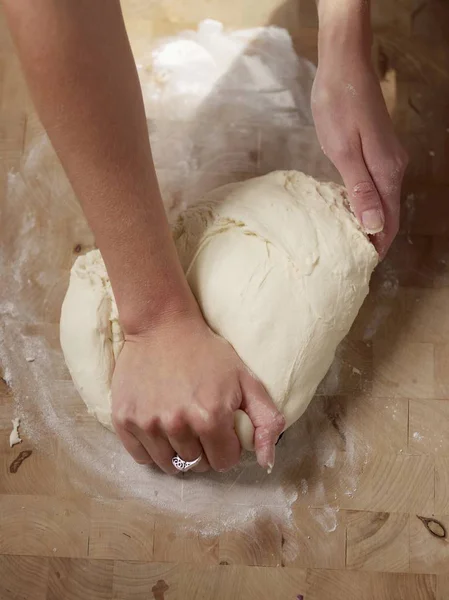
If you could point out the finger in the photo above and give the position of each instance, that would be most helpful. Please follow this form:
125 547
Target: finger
363 194
134 447
389 186
188 447
268 422
220 443
159 448
203 466
383 240
222 447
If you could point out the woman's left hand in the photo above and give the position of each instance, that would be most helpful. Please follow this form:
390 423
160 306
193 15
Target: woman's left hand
356 133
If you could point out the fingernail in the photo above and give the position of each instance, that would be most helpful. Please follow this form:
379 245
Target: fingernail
372 221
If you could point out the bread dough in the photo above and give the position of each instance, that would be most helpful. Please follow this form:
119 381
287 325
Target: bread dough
280 268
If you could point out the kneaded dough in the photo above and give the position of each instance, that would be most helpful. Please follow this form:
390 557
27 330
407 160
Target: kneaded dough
280 268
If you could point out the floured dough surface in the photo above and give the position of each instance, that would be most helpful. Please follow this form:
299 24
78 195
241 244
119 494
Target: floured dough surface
280 268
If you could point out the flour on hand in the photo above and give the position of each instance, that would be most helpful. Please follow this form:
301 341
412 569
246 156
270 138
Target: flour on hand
280 268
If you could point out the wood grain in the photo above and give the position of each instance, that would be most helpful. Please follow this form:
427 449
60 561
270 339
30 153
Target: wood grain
121 530
378 542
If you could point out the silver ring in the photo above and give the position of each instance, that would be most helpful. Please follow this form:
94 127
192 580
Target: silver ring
184 465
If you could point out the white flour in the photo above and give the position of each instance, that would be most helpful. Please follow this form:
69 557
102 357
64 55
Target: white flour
327 519
14 437
222 107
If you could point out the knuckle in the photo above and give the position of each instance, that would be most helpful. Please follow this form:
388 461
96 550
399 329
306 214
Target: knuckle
389 174
396 167
150 425
397 160
211 419
191 453
121 420
175 424
364 190
216 413
343 152
205 427
279 422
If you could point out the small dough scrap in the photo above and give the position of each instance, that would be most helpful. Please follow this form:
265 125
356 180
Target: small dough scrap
280 268
14 437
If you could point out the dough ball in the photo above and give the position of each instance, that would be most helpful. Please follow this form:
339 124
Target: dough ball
280 268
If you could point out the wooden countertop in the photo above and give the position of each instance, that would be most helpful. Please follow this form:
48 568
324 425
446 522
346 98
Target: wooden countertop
372 510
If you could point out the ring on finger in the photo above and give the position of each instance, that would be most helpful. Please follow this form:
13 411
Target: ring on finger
184 465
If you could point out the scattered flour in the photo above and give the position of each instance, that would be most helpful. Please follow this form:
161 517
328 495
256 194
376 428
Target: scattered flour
382 298
14 437
351 89
7 377
330 462
327 518
409 212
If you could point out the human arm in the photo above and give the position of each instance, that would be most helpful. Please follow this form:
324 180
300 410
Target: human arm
352 121
79 67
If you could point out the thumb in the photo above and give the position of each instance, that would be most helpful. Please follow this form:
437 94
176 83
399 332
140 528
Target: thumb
267 421
363 196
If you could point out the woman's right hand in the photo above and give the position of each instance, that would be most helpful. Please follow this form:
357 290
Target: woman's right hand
175 391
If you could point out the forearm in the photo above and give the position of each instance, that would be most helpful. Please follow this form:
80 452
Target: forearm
346 25
78 63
